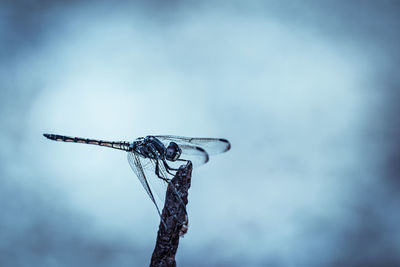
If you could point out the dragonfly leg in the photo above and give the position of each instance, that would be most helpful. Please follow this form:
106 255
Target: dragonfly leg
154 154
158 173
185 160
168 168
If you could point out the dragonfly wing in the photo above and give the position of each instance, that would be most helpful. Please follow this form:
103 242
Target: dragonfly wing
145 170
211 145
158 185
139 166
197 155
164 173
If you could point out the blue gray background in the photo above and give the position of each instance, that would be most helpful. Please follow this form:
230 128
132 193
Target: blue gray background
306 91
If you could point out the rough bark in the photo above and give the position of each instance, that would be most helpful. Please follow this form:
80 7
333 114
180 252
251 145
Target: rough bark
174 222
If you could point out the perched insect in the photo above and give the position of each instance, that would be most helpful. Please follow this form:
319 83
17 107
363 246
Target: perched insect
154 158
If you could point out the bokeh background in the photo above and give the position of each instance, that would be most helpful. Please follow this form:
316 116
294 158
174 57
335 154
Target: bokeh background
306 91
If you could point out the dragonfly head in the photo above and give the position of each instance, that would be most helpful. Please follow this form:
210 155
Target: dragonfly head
173 151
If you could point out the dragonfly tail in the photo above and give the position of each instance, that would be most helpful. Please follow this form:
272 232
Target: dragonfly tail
116 145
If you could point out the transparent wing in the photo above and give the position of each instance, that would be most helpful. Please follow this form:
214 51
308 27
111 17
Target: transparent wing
210 145
164 185
141 167
157 185
144 168
197 155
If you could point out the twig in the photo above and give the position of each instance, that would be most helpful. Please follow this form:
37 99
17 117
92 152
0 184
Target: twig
175 218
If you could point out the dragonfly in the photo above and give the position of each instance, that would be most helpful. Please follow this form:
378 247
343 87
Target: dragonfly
156 158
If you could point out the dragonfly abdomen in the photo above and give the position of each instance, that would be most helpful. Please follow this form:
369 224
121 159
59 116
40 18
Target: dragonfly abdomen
116 145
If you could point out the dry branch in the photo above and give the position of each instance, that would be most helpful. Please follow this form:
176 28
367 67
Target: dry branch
175 219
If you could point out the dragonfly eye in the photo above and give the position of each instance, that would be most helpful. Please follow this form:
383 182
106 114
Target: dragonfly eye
173 152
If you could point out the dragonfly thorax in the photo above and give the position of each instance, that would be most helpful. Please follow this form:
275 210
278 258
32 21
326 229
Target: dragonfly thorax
149 147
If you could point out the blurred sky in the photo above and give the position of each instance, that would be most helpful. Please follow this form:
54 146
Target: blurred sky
307 93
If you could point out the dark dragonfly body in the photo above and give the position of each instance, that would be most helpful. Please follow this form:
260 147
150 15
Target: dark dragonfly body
153 155
148 147
117 145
